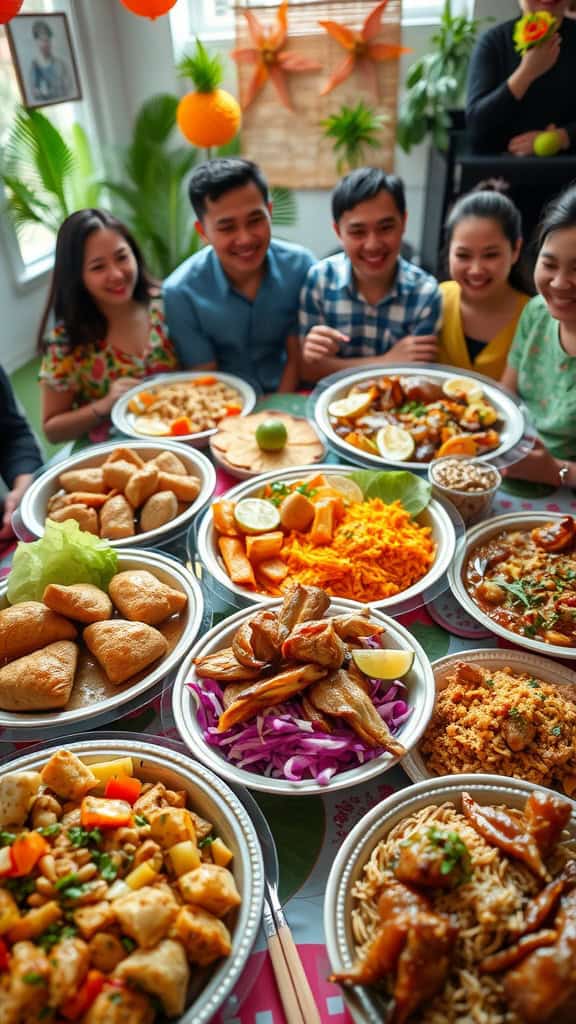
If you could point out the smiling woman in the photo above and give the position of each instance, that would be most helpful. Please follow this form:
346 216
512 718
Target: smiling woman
109 329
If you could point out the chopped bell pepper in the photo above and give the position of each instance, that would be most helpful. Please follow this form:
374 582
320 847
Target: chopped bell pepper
26 851
98 812
233 410
6 862
4 956
202 381
181 426
79 1004
123 787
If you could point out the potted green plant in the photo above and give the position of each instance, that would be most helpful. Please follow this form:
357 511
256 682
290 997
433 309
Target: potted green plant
353 131
435 83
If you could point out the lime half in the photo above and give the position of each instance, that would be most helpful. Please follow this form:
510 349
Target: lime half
383 664
256 515
395 443
463 387
348 488
350 407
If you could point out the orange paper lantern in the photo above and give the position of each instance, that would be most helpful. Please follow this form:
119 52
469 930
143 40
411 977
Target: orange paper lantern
8 9
149 8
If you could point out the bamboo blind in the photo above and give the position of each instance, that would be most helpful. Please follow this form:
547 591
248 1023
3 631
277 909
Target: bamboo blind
290 146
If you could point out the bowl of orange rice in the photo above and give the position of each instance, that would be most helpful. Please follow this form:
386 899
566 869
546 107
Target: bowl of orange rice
377 552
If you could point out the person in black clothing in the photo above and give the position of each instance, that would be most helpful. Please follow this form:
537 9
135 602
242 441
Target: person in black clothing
511 98
19 455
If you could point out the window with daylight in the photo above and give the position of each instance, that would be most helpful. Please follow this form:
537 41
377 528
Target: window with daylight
32 248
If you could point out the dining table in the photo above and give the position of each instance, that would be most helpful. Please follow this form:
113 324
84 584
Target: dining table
308 830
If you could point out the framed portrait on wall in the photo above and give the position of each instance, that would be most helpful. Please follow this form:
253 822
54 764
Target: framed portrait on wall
44 61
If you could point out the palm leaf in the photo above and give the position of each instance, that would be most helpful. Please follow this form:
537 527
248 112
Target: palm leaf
36 143
84 189
24 205
284 209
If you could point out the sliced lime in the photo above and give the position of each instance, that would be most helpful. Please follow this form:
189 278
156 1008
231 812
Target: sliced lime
383 664
256 515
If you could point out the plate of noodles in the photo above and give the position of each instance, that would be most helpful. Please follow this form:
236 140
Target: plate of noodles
503 712
318 526
455 900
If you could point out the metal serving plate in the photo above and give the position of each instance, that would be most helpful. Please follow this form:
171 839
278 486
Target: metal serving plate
169 572
510 413
435 516
35 501
474 538
365 1005
209 797
123 419
492 658
419 682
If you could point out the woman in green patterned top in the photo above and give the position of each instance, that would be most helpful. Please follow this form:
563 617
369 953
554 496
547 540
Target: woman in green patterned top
542 360
109 327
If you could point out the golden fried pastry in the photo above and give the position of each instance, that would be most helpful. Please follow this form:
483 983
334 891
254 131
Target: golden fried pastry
125 455
142 484
87 518
124 648
91 480
167 462
185 487
68 776
40 681
82 601
141 597
117 518
117 474
159 509
29 625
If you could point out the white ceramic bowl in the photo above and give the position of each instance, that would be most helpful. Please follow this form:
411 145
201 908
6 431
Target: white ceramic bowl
492 658
123 419
479 535
512 423
209 797
420 689
35 501
435 516
90 715
365 1005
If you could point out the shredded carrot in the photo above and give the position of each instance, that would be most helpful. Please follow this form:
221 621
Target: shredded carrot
377 550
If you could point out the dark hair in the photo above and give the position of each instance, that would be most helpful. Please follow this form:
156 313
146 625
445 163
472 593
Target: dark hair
41 28
68 298
559 213
214 178
365 183
488 202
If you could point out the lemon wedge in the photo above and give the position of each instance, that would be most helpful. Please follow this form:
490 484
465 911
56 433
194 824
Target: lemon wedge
256 515
383 664
346 487
351 407
151 425
395 443
463 387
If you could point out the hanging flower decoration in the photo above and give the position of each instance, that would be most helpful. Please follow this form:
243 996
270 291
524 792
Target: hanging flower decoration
270 58
363 52
533 29
9 9
208 116
149 8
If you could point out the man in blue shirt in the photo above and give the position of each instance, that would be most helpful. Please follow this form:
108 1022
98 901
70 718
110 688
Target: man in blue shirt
233 305
367 306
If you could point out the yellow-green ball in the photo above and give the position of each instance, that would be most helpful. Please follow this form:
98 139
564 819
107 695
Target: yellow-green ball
547 144
271 435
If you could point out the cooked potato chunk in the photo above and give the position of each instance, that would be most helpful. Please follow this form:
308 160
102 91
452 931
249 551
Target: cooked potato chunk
172 825
68 776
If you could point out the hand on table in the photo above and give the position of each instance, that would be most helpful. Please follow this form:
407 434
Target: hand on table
538 466
413 349
11 502
523 145
322 341
117 389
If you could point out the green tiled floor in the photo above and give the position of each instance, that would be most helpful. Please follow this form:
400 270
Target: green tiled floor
27 390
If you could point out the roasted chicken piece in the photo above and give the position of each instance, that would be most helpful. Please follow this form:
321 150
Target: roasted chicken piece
224 667
514 954
341 696
390 393
355 625
555 536
120 1006
146 914
269 692
436 859
518 733
162 971
544 904
17 793
315 642
204 937
316 717
543 987
212 887
257 642
21 1002
421 389
547 816
499 828
68 776
301 604
69 963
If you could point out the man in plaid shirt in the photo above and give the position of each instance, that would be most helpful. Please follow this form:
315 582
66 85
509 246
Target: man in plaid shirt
367 306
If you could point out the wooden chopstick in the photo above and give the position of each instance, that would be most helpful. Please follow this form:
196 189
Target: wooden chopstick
308 1008
284 979
300 1005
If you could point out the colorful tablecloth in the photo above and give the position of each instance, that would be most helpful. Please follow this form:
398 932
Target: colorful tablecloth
309 830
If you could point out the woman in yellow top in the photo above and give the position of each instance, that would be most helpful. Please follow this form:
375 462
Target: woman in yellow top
483 300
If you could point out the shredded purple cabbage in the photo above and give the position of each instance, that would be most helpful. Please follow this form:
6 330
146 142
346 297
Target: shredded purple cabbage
279 743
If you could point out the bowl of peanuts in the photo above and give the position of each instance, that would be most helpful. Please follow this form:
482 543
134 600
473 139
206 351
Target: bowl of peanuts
470 484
